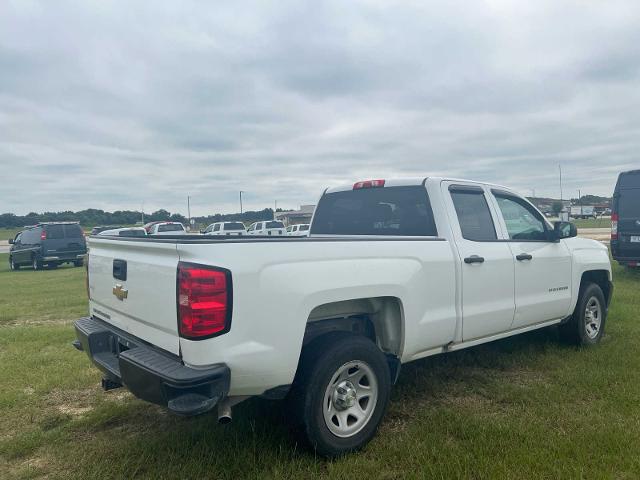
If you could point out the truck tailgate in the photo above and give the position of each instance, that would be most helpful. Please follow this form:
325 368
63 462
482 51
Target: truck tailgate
132 285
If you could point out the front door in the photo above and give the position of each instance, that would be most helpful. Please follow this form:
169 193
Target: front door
486 264
542 265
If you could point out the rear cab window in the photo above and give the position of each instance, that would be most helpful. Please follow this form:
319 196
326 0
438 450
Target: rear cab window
474 216
170 227
397 211
234 226
275 225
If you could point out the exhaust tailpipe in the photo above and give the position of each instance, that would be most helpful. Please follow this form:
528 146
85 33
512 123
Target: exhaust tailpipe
224 412
224 408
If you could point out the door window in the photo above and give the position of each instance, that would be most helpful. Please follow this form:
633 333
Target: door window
473 214
216 228
523 222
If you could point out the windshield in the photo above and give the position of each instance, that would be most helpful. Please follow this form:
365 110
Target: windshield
275 225
170 227
402 211
234 226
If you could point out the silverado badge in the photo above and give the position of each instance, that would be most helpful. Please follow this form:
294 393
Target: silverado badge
120 292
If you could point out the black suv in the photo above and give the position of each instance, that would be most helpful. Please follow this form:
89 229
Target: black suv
625 219
48 244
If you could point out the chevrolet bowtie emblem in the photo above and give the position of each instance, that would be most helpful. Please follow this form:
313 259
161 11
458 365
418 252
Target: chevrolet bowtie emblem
120 292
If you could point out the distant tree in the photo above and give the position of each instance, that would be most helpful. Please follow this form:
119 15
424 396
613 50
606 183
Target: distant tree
557 207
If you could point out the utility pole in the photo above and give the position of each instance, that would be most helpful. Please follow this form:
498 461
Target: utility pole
241 192
189 209
580 202
275 207
560 168
142 213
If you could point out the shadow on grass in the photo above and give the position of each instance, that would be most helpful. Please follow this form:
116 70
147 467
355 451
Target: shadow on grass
141 438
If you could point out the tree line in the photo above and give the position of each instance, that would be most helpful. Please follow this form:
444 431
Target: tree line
92 217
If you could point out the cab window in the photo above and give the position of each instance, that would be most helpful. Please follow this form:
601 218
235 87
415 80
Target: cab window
523 222
216 228
474 216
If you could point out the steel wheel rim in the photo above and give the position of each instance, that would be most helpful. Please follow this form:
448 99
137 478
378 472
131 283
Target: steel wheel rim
592 317
350 399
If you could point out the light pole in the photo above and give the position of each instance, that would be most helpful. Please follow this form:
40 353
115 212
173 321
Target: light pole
560 168
241 192
189 209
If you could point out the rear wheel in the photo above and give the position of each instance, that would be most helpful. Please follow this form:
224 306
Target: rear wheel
586 326
78 263
341 393
36 264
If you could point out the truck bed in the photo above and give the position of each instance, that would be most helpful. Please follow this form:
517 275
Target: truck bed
277 285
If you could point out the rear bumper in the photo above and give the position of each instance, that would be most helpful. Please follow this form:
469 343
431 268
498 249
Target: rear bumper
150 373
64 257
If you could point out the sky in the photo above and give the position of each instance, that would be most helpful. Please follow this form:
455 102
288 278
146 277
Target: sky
120 104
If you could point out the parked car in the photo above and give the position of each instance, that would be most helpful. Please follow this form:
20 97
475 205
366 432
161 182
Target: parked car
268 227
125 232
393 271
300 230
225 228
625 219
50 244
167 228
102 228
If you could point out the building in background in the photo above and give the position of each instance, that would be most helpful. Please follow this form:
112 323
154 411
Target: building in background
294 217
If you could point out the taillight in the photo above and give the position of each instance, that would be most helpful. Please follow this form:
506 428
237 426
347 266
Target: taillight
368 184
614 226
204 301
43 234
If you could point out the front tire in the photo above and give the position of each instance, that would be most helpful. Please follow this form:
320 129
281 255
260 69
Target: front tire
13 265
586 326
341 393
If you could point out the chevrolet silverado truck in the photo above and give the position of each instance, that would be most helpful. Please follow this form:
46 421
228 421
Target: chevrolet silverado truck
393 271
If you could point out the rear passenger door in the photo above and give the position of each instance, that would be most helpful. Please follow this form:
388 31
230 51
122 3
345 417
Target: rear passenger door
542 265
486 264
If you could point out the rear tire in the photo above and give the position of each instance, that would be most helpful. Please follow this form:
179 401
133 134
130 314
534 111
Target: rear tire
586 326
36 264
340 393
78 263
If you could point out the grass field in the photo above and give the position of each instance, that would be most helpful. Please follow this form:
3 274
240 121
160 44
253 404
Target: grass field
526 407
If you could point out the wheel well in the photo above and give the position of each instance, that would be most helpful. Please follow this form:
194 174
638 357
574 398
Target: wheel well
378 318
600 278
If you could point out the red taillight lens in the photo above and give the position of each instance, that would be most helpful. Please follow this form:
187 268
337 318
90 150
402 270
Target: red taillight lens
614 226
43 235
204 301
368 184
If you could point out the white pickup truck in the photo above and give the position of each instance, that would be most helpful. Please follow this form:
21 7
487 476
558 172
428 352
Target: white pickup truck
392 271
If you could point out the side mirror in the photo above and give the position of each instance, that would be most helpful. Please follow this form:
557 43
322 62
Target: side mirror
11 242
564 230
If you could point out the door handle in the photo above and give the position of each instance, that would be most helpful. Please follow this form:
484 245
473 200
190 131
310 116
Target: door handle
523 256
474 259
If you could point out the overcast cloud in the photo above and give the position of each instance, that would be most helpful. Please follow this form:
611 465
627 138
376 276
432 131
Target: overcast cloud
112 104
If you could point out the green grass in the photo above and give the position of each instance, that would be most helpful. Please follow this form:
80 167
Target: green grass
7 233
592 222
526 407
